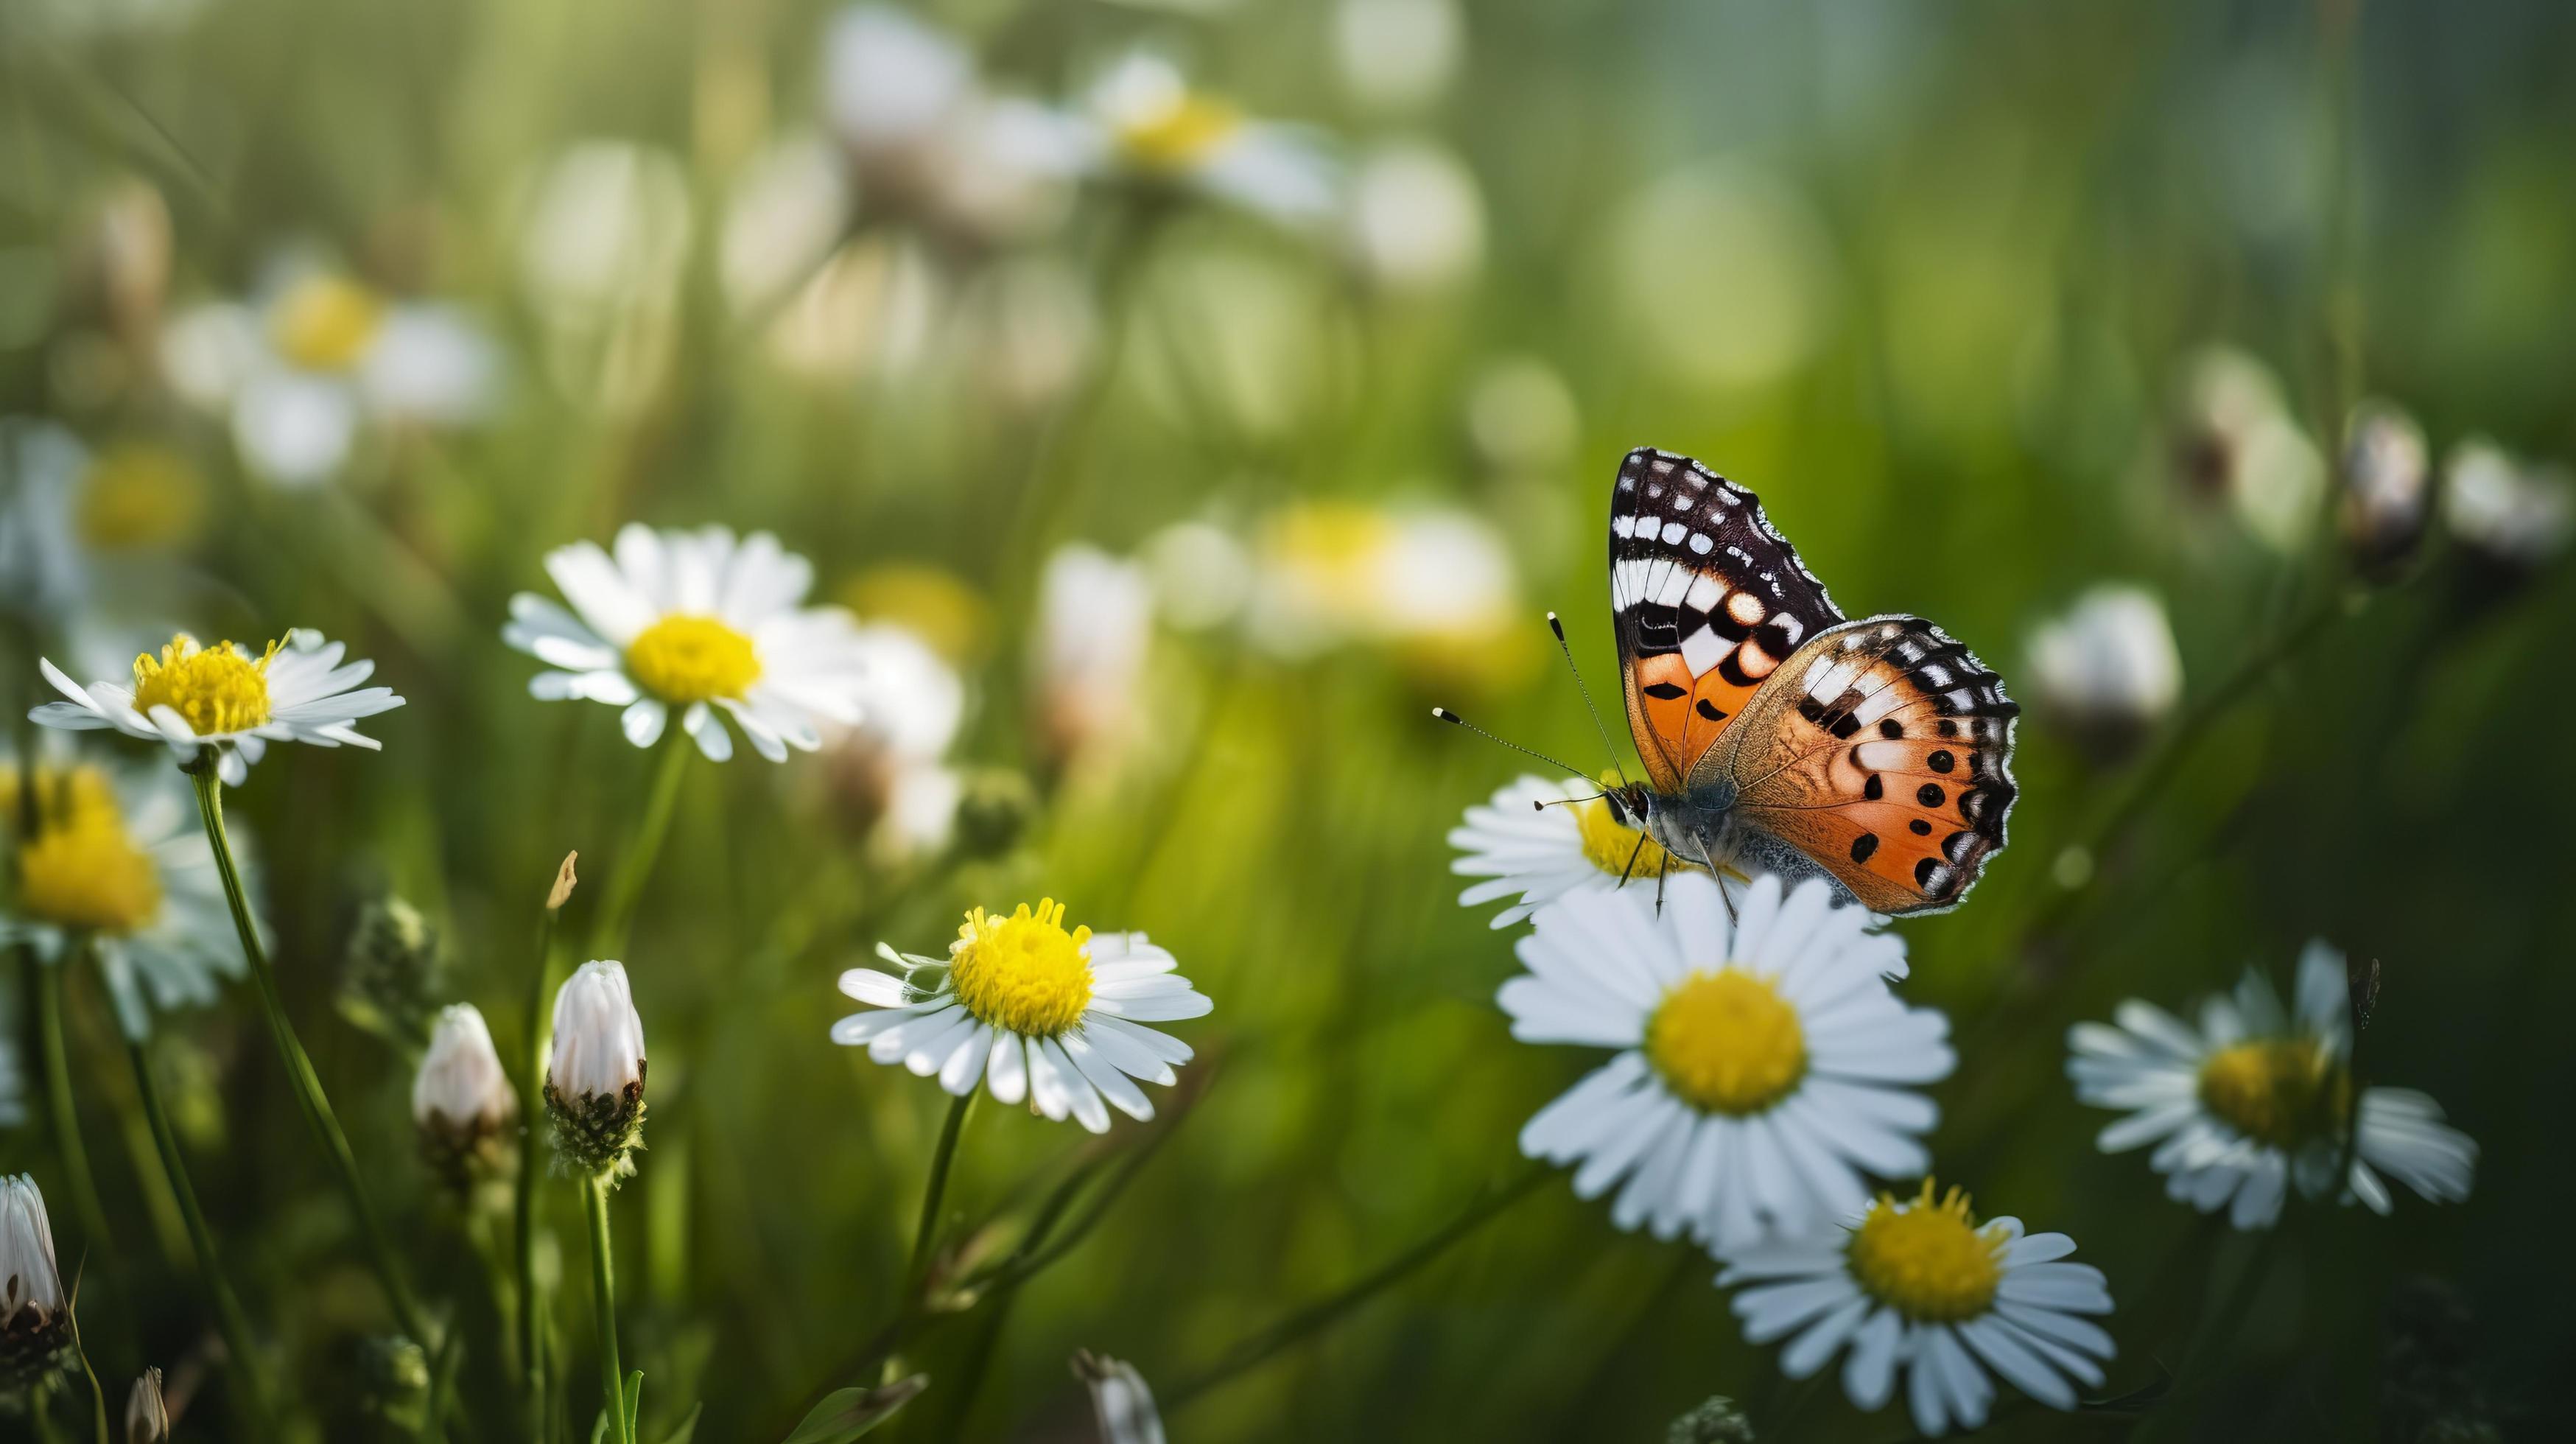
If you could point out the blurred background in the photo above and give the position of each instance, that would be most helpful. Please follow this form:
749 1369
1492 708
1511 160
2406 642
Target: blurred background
1188 394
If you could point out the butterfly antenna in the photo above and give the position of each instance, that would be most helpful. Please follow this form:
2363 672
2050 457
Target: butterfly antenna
1567 649
1445 715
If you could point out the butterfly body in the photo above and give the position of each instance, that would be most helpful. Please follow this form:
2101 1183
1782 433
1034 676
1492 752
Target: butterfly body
1774 730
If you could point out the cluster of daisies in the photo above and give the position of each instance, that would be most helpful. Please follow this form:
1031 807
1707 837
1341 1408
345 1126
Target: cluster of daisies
1764 1072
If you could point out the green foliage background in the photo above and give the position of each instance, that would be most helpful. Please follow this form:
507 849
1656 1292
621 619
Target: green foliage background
2014 224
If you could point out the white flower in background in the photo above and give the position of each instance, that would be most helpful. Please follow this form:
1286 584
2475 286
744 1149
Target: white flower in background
315 354
891 81
222 697
1120 1401
147 1418
2387 487
787 210
1143 121
1095 627
2257 1100
35 1327
698 621
461 1094
874 310
1916 1286
1201 574
2108 665
892 768
1765 1065
1050 1016
1540 840
41 569
1397 55
595 1069
1436 583
2237 442
2503 511
13 1070
119 860
1417 219
904 100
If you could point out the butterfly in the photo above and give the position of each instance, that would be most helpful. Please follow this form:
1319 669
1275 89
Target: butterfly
1874 753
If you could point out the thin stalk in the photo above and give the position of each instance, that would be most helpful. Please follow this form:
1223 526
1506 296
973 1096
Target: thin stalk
229 1320
932 1192
299 1067
532 1335
1322 1314
603 1285
64 1115
635 865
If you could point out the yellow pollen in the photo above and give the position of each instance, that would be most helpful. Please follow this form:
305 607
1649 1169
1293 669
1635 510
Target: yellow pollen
1610 843
82 869
139 495
1023 973
214 689
1928 1261
1179 136
684 658
2277 1091
1726 1042
325 323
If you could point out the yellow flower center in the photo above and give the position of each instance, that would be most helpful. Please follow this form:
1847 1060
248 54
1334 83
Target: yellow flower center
325 323
2277 1091
692 659
1178 136
82 869
1611 844
1928 1261
1023 973
139 496
1727 1042
214 689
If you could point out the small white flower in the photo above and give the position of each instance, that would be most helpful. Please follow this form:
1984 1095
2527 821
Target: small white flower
2387 486
1417 220
889 80
2255 1101
1142 121
194 697
147 1418
1051 1016
701 622
461 1088
42 571
1765 1064
35 1328
1095 626
2108 665
1916 1287
1544 840
1432 578
121 860
1120 1399
597 1048
2239 443
2503 511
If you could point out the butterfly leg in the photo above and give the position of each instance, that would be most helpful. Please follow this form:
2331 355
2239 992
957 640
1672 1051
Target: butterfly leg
1630 870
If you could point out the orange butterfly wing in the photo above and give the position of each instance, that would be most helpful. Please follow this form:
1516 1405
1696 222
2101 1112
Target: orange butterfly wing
1707 599
1883 751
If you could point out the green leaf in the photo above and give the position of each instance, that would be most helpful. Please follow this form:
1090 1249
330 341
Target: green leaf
688 1427
848 1413
634 1401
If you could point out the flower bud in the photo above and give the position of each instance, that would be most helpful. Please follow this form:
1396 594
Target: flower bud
461 1097
595 1070
147 1419
2511 518
2387 488
35 1327
390 977
1121 1403
1718 1420
2108 668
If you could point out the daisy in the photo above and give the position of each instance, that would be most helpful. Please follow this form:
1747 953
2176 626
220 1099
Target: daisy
1918 1286
1547 840
221 697
1765 1066
1054 1017
2257 1100
698 621
118 860
1094 632
1143 121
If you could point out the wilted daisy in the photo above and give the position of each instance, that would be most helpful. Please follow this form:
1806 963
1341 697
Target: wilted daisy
1765 1064
118 860
223 697
2108 667
1917 1286
1143 121
2257 1100
461 1097
698 621
35 1325
595 1070
1542 840
1052 1016
1121 1403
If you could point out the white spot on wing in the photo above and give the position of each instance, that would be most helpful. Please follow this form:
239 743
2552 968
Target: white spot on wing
1702 650
1705 591
1702 543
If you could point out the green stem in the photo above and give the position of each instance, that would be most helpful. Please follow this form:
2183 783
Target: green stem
65 1115
932 1192
635 867
299 1067
532 1340
603 1283
229 1320
1322 1314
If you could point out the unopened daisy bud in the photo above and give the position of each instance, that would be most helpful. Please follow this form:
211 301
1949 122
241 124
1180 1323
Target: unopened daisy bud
565 882
1120 1401
595 1070
2108 668
993 810
2511 517
391 976
461 1098
35 1327
2387 488
1718 1420
147 1419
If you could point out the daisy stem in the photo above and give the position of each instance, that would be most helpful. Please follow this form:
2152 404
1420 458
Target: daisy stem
603 1285
229 1320
64 1115
635 866
932 1192
532 1337
1322 1314
299 1066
